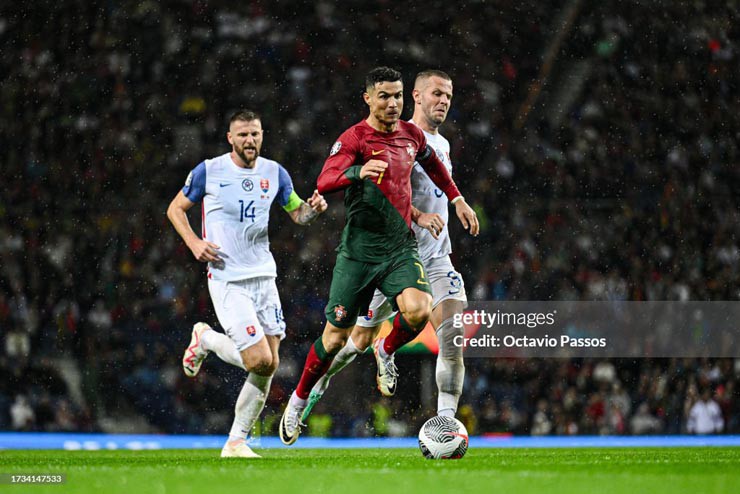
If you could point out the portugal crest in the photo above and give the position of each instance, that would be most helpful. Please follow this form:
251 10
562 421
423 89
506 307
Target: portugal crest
339 313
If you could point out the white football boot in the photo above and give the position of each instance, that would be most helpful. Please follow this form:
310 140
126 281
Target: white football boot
387 375
290 423
238 449
195 354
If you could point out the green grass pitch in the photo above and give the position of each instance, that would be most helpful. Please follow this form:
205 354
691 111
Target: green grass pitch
404 471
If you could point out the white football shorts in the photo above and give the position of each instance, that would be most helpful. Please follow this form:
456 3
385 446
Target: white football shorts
446 283
248 309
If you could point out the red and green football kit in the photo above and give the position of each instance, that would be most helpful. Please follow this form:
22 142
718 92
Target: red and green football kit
378 247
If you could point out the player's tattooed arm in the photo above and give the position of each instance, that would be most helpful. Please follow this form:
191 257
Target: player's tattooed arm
310 210
429 221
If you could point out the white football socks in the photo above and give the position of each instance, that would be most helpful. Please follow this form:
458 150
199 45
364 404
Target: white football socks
346 355
450 371
249 405
297 402
222 346
341 360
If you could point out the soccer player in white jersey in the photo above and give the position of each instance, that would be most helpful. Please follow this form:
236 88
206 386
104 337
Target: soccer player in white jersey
237 190
432 96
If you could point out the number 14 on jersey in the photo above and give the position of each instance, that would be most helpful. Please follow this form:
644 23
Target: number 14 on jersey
246 211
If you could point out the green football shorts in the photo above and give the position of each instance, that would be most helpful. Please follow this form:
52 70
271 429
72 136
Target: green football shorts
354 282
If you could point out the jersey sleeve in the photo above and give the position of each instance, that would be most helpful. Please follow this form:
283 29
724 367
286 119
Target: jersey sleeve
195 184
339 171
436 170
286 195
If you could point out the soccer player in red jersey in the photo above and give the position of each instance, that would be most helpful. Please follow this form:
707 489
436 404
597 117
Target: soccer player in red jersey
372 163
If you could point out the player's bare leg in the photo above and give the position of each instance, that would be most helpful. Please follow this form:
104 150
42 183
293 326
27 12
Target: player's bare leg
261 360
318 361
450 371
415 307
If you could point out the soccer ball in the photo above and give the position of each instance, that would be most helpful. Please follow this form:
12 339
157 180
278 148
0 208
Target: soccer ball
442 438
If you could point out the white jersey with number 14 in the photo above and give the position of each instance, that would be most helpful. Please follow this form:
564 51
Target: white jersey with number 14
236 212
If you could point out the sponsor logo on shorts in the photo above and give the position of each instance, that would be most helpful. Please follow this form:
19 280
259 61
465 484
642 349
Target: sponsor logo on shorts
265 185
339 312
247 185
251 330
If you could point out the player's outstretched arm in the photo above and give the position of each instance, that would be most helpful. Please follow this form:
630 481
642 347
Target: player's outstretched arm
429 221
309 210
177 213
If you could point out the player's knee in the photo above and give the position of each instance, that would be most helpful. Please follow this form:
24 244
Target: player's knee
261 364
273 367
418 312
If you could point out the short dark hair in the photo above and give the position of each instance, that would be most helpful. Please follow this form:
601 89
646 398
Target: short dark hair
426 74
244 116
381 74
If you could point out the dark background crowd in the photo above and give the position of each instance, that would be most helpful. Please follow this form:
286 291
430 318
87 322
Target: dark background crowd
618 182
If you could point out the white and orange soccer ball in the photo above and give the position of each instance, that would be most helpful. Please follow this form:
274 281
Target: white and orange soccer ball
443 438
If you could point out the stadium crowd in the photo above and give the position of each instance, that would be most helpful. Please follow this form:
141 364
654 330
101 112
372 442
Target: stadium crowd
106 106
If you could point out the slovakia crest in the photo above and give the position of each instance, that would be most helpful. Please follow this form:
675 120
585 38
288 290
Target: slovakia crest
251 331
369 315
265 185
247 185
340 312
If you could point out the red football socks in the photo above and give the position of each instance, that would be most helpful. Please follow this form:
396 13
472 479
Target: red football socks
317 363
401 334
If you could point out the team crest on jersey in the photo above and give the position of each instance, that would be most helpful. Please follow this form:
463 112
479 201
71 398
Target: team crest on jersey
411 150
265 185
247 185
339 312
335 148
251 331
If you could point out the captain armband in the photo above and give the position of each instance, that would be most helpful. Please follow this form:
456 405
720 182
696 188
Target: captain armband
425 153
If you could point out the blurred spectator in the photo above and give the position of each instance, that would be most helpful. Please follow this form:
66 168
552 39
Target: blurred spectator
643 422
22 415
705 416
